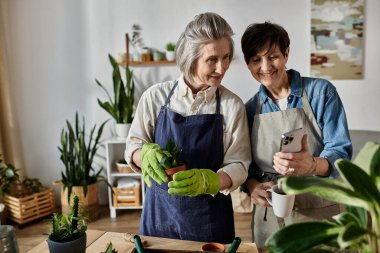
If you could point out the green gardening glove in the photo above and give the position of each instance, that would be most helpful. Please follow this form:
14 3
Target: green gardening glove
151 155
194 182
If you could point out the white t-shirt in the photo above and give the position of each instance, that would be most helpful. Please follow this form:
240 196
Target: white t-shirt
282 103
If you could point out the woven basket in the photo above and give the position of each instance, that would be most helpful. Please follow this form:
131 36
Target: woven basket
124 168
32 207
88 203
126 196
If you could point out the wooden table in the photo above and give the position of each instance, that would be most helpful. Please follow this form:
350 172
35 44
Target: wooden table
97 241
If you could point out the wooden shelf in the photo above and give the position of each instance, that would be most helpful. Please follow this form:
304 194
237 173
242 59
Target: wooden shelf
139 63
148 63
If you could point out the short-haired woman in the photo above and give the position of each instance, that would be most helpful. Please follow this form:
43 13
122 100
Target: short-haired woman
287 101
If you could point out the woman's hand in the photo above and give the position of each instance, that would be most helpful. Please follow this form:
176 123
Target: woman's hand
259 192
295 164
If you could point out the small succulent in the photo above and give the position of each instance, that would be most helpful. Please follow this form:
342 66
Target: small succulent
122 161
170 46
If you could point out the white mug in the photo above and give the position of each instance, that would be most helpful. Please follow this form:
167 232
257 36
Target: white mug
282 203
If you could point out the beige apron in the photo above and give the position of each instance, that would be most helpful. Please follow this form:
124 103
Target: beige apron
266 136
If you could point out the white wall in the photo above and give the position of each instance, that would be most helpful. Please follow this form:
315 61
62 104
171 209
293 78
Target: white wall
56 48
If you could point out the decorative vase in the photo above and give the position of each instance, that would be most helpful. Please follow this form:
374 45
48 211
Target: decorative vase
170 55
172 171
76 246
122 129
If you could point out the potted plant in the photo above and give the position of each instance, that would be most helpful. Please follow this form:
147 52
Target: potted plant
27 199
357 228
68 232
136 41
170 162
77 151
170 55
120 107
8 177
123 167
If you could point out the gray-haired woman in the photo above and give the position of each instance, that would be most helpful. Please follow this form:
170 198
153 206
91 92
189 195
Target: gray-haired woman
209 125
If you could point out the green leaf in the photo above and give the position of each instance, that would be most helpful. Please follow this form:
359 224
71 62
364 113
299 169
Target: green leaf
359 213
346 218
326 188
357 179
299 237
351 234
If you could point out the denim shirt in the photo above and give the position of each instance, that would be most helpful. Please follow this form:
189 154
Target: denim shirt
328 111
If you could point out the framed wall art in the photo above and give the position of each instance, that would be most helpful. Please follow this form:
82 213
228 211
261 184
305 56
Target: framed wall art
337 43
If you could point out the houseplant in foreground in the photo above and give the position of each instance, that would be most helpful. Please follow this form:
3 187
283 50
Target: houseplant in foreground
68 232
120 106
170 162
77 152
357 228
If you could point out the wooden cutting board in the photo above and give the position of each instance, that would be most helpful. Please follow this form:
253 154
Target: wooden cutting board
158 244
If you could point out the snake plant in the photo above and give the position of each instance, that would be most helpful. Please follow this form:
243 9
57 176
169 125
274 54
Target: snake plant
120 107
357 228
78 150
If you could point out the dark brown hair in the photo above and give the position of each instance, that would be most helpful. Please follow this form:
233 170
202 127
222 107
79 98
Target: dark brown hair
259 35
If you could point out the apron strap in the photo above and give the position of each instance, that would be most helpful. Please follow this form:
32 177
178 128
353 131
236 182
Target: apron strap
258 107
217 102
308 111
167 101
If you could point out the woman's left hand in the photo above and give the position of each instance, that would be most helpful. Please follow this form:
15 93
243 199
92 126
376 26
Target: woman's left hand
294 164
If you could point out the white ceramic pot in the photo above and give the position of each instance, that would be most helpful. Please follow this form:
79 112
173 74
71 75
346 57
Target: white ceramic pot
122 130
170 55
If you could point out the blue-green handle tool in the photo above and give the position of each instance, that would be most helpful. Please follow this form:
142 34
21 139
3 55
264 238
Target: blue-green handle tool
234 245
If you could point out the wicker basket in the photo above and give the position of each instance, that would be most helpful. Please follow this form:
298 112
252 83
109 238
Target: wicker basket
124 168
129 196
88 204
32 207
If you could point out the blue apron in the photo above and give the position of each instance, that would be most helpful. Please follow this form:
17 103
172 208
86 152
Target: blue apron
202 218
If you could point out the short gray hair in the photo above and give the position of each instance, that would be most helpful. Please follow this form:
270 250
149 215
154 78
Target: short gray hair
205 27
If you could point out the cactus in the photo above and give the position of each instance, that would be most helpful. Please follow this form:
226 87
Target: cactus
68 227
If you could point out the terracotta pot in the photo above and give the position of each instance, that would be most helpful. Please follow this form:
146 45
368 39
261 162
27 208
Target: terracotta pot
172 171
213 247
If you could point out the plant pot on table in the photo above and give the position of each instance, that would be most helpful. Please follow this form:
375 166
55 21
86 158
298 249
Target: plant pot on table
170 172
77 245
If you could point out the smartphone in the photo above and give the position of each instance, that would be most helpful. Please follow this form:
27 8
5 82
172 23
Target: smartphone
291 141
